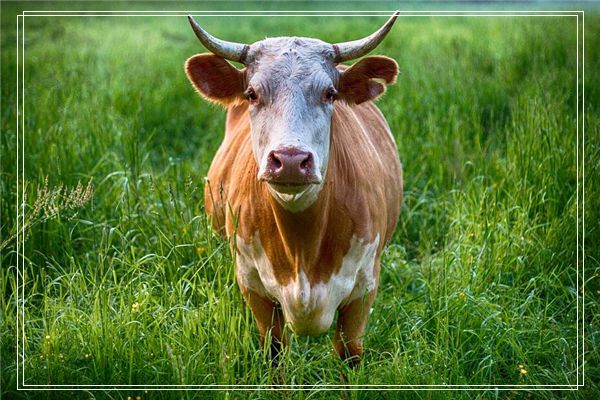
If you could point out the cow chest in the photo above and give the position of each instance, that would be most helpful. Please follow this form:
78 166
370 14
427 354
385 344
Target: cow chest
309 307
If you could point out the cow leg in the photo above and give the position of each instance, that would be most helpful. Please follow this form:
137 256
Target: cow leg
351 323
268 317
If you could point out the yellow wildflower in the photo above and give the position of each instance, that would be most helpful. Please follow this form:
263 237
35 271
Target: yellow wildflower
522 369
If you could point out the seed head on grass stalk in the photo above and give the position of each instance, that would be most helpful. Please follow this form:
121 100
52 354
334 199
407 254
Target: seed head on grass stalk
49 204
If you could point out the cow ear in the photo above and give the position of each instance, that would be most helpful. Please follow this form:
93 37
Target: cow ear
367 79
215 79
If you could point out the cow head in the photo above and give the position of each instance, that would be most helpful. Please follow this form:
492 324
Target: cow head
290 85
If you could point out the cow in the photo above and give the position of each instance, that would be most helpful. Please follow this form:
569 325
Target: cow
307 183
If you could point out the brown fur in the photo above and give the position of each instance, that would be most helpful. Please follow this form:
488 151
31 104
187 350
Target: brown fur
361 195
367 79
215 79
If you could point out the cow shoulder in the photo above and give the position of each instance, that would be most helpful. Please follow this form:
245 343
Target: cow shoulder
225 170
365 169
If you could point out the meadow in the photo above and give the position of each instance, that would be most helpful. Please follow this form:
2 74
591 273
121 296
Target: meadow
125 283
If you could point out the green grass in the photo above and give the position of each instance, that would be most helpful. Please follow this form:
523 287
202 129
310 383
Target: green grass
131 287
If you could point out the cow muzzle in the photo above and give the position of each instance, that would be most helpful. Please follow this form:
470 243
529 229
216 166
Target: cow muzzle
290 168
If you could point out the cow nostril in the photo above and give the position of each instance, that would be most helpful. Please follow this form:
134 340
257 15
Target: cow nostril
274 161
306 163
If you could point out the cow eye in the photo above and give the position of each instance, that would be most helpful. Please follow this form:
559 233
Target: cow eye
330 94
251 95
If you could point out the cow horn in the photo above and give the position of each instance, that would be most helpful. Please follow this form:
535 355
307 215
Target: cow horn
356 48
228 50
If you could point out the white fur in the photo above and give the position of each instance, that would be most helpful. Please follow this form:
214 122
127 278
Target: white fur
309 310
296 202
290 76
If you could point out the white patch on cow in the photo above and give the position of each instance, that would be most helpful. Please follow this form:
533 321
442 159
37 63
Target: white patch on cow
309 310
254 270
296 202
363 256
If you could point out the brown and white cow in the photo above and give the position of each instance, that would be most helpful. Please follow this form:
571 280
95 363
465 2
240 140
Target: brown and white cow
307 182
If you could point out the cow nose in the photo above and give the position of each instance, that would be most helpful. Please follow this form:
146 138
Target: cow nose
290 161
291 166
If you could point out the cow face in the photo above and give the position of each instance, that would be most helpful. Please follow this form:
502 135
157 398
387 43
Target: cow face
290 85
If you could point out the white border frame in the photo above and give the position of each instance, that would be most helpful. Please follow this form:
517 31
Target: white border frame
580 367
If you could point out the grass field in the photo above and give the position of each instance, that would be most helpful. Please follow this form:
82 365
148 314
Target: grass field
126 285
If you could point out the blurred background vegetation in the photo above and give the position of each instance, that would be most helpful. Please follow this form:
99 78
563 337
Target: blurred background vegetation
125 284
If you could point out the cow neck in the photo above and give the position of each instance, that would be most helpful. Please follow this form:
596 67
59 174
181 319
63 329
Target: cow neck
302 233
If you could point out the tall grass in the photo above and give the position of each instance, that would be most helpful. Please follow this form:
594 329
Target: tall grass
131 287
